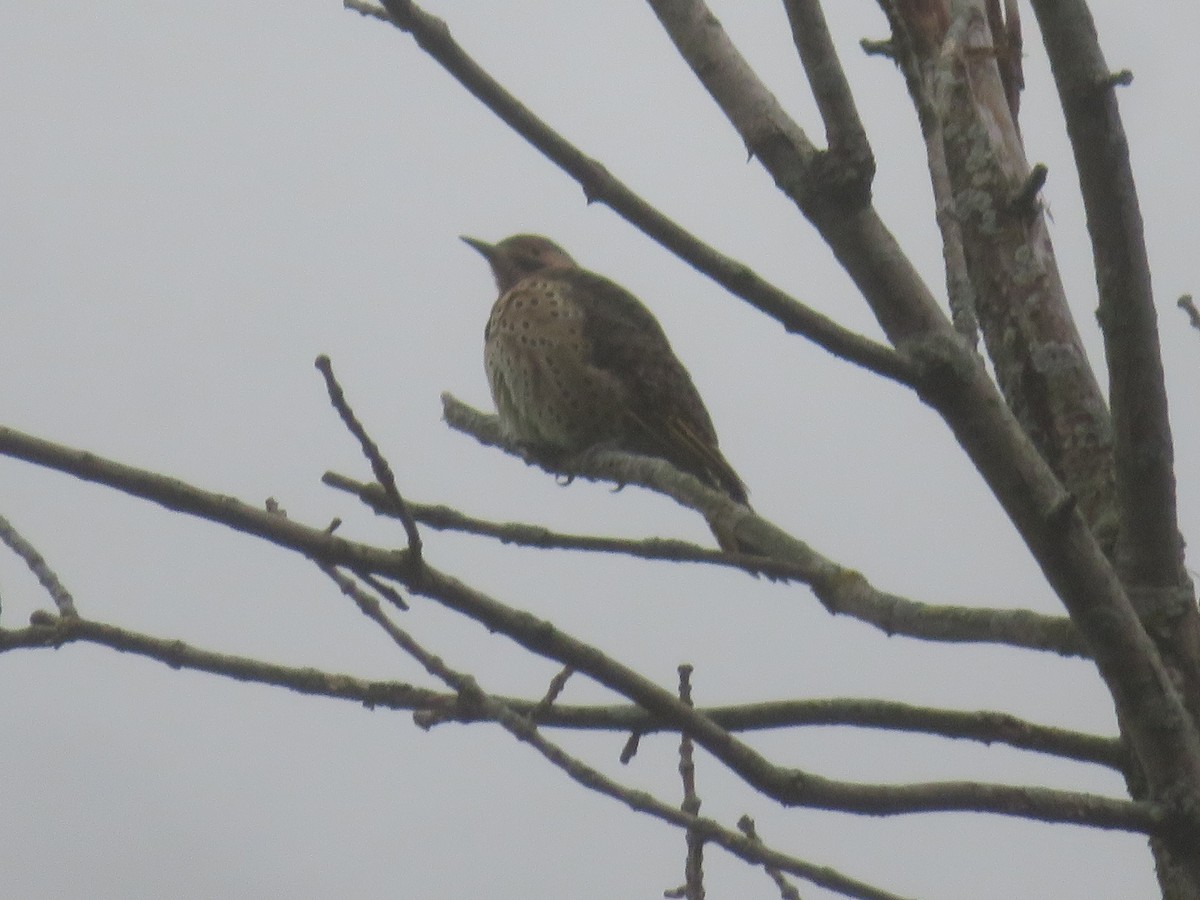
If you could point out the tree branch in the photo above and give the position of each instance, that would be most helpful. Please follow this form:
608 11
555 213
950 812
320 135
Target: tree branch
433 707
1009 259
39 567
894 290
599 185
176 495
699 830
789 786
983 726
840 589
379 465
955 383
52 632
1150 549
854 163
786 890
902 52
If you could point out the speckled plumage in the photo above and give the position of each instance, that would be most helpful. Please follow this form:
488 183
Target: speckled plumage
575 361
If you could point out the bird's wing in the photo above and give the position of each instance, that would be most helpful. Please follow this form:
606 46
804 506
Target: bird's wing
626 340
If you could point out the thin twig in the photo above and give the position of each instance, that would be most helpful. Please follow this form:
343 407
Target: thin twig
53 632
787 891
557 684
39 567
693 869
379 465
1188 305
1025 202
630 749
383 589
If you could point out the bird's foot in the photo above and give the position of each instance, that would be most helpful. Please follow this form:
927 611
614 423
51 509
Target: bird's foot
586 459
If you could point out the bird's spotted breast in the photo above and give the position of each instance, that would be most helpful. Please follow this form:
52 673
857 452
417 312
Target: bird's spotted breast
537 363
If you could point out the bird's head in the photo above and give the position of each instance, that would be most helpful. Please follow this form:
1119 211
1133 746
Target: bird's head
521 255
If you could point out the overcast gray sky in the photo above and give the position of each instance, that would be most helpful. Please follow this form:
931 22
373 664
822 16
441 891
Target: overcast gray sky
200 198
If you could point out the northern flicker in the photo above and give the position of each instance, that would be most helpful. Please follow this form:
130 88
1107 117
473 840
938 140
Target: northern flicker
575 361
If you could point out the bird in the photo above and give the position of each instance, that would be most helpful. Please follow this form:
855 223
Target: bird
575 362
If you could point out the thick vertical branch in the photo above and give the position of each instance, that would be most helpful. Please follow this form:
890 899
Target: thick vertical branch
991 214
911 31
1150 550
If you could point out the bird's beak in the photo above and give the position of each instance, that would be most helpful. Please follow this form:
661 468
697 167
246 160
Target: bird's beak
488 250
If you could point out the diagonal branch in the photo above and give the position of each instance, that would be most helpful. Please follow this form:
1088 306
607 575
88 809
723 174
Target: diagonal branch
379 465
47 631
525 730
850 226
179 496
599 185
840 589
39 567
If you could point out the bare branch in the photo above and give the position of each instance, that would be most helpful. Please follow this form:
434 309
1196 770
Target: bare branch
787 785
898 297
445 518
901 50
39 567
53 632
693 888
599 185
1188 305
983 726
786 890
844 130
225 510
1005 26
525 731
1149 553
1150 541
1150 550
433 707
840 589
379 465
